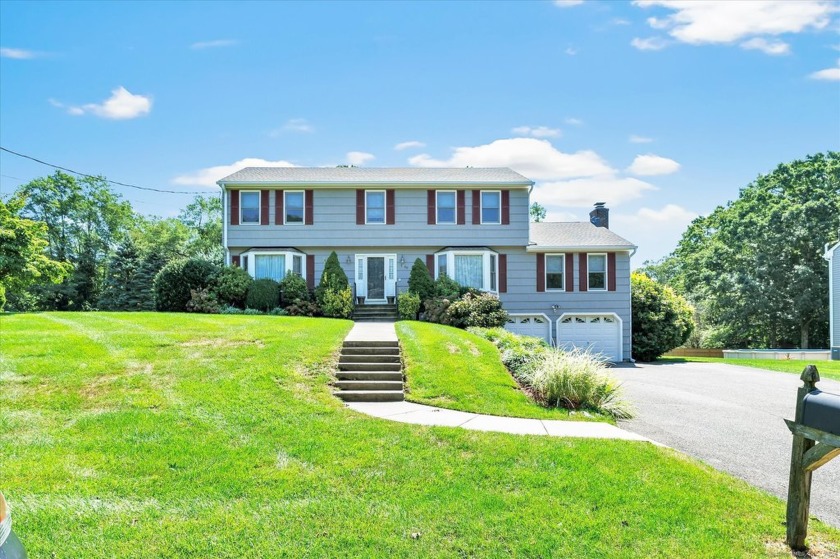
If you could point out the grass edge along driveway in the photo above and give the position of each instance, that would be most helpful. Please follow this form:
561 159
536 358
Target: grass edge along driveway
827 369
148 435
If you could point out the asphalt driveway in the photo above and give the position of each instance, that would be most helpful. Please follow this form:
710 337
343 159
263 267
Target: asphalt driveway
731 418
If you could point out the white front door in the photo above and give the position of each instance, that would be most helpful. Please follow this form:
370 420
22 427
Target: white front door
376 279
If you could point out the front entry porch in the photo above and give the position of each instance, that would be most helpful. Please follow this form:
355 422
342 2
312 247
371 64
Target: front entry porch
376 279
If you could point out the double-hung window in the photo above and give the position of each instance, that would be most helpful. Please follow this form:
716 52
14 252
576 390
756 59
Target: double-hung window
597 271
446 206
375 206
554 271
249 203
491 206
293 204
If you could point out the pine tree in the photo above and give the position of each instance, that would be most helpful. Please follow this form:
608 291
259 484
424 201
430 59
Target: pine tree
120 279
420 282
332 278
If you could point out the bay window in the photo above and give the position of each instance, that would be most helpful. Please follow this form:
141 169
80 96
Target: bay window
272 263
478 269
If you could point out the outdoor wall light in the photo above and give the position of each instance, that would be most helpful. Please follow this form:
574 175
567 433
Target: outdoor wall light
402 261
555 308
348 261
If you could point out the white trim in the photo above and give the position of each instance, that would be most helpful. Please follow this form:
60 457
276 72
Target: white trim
562 256
612 314
384 207
287 254
225 220
485 265
481 207
286 205
360 280
259 207
454 207
593 248
606 271
829 255
548 321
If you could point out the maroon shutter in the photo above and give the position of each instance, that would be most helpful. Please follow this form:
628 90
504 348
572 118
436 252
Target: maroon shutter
234 260
505 207
234 207
476 207
503 273
431 207
610 271
462 211
390 210
310 271
263 207
360 207
430 264
583 280
308 211
540 272
279 210
569 271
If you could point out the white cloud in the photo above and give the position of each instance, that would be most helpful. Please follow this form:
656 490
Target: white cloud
574 121
634 139
651 43
711 21
656 231
209 175
201 45
771 47
567 3
584 192
411 144
297 125
571 51
829 74
648 165
121 105
537 131
536 159
619 21
359 157
18 54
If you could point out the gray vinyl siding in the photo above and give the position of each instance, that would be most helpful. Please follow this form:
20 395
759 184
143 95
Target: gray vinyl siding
334 218
522 295
834 270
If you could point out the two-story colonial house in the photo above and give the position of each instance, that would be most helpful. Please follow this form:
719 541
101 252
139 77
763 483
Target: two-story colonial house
566 282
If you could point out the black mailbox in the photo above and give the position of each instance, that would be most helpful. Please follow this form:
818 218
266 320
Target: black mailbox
835 354
822 411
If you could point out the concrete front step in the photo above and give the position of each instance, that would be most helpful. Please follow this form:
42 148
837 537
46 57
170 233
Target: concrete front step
344 366
370 351
369 384
369 375
376 319
370 395
345 358
370 343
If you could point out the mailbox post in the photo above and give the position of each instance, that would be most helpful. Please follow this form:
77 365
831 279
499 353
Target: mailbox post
816 440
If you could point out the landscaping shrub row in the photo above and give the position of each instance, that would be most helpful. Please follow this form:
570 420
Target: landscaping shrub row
575 380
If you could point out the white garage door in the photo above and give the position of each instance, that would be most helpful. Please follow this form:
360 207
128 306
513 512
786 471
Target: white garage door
599 333
537 325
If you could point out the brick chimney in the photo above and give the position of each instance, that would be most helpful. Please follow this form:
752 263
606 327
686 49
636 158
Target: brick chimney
600 216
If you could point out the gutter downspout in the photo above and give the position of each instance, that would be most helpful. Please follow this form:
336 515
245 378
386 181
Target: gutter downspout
224 223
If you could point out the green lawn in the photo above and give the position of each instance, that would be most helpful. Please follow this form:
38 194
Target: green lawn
166 435
827 369
451 368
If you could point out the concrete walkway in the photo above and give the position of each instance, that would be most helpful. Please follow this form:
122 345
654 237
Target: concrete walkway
418 414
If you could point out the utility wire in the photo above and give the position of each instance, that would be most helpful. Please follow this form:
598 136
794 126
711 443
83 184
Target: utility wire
102 178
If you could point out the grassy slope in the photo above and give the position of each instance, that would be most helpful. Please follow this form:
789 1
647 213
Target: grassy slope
451 368
827 369
149 435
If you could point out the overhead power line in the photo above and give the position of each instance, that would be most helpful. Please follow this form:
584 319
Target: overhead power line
106 180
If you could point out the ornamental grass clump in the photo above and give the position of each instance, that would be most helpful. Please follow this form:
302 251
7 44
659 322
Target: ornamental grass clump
576 380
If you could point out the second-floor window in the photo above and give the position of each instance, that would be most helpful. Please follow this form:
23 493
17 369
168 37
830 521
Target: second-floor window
249 207
597 271
554 264
375 206
491 204
293 205
446 206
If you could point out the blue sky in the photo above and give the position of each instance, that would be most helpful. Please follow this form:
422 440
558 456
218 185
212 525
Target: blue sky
662 109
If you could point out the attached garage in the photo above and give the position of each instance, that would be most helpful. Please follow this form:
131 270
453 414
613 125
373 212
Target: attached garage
597 332
537 325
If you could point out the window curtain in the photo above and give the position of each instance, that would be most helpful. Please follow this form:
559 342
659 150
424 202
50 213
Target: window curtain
469 270
271 266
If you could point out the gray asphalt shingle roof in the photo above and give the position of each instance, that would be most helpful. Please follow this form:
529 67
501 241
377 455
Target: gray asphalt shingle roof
575 235
364 175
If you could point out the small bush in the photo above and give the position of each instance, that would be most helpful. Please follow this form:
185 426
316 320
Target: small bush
338 303
436 310
174 281
408 305
203 301
420 282
447 288
575 380
263 295
252 311
293 287
517 352
333 277
278 311
303 308
662 320
2 297
483 309
231 310
230 286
